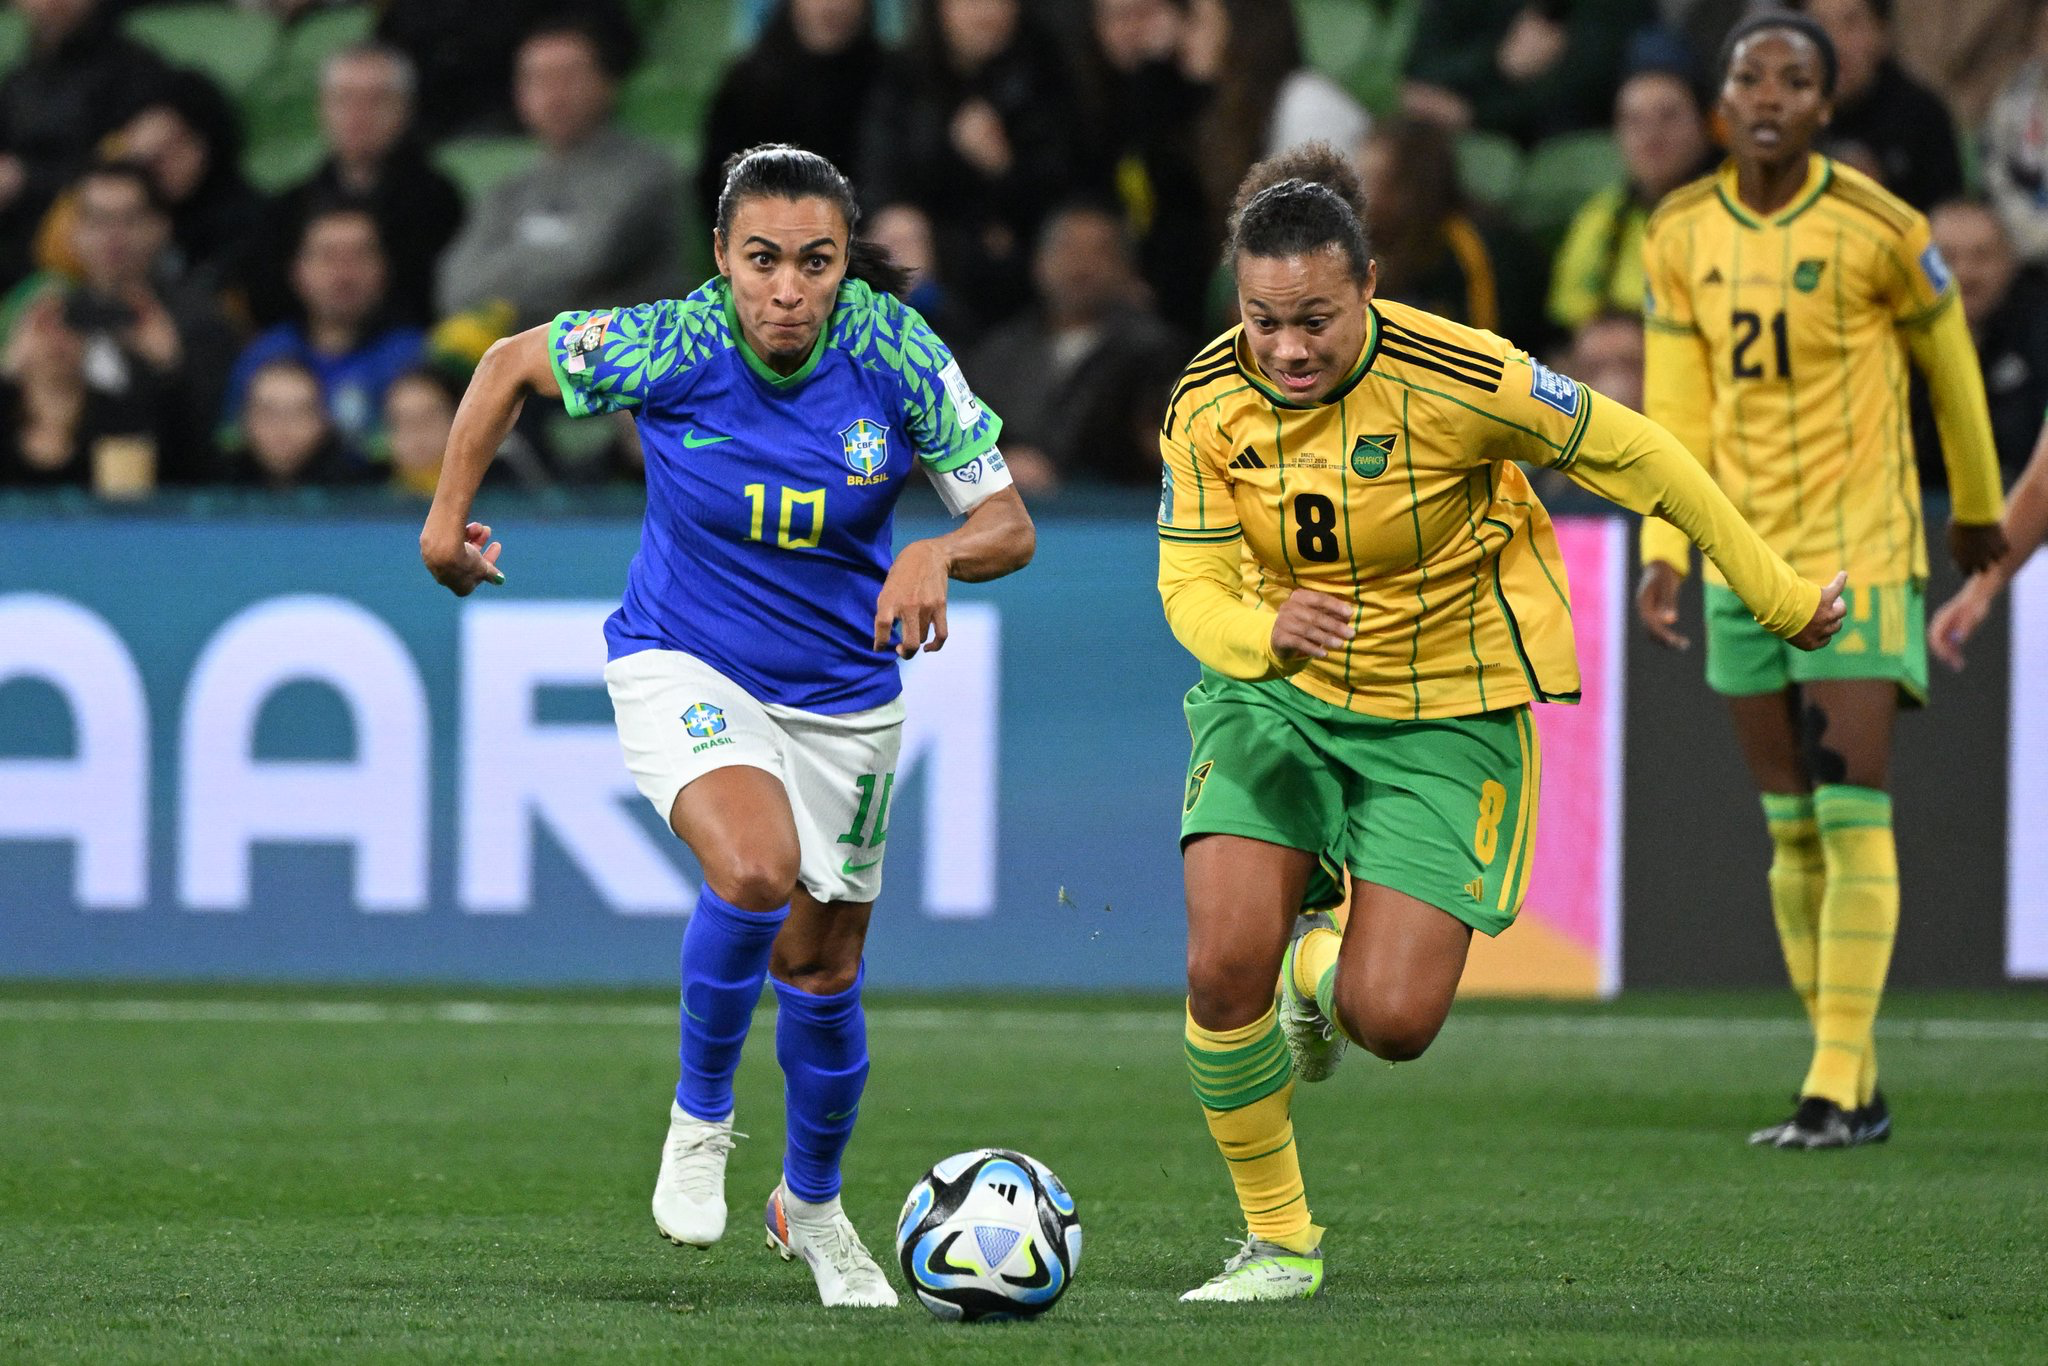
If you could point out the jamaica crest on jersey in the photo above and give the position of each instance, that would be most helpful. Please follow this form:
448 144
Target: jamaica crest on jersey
866 444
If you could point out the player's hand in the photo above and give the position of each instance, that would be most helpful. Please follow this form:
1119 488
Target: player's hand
1312 624
913 595
460 565
1975 548
1958 619
1657 605
1827 618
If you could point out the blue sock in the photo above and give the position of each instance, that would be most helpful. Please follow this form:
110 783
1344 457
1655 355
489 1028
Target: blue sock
725 959
822 1044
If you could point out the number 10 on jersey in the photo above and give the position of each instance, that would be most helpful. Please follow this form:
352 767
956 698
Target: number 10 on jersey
812 501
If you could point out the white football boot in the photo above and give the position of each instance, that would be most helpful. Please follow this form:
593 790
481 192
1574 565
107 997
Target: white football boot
689 1195
1262 1271
825 1239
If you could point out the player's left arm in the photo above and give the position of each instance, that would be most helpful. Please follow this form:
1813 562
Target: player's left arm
1930 314
1616 452
955 440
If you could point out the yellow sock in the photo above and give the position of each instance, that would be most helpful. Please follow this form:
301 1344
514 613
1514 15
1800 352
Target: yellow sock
1245 1083
1798 880
1859 918
1314 958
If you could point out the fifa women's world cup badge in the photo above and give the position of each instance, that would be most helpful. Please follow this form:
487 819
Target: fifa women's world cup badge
867 452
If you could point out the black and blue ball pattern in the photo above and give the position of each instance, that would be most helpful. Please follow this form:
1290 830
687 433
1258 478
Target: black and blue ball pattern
989 1234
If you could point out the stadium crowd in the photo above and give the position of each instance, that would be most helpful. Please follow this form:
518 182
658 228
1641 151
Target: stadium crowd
262 244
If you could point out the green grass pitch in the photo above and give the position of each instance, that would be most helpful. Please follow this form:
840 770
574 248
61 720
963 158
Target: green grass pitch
270 1176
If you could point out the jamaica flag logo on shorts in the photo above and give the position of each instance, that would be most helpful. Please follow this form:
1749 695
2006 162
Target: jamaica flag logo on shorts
1195 781
1370 456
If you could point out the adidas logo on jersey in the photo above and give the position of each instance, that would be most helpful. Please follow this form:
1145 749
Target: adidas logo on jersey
1712 277
1248 459
1476 889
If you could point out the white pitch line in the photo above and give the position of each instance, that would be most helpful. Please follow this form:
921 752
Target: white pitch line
1163 1022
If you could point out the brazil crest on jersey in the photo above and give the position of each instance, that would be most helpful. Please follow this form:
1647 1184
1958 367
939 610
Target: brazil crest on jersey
771 498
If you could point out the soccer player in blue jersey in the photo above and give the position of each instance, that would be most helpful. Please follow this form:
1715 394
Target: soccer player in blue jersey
783 408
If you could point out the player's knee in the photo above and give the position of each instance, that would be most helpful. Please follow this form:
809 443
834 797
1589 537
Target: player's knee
816 976
1226 991
753 880
1397 1031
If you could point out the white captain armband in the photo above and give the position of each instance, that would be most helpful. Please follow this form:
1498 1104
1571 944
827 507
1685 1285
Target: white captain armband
965 487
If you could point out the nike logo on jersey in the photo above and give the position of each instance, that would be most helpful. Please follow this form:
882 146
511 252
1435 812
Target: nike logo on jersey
696 442
851 867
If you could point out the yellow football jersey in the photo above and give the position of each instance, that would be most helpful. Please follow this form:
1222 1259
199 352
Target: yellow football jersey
1778 354
1398 492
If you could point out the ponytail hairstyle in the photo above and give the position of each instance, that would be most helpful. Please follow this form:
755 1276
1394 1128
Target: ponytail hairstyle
1300 202
776 170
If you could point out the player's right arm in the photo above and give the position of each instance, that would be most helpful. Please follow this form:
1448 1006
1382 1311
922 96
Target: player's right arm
2026 523
1201 582
458 552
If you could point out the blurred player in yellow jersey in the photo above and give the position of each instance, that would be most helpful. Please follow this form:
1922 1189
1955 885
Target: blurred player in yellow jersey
1375 597
1786 293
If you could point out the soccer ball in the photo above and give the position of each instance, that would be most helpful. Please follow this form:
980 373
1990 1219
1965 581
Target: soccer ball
989 1234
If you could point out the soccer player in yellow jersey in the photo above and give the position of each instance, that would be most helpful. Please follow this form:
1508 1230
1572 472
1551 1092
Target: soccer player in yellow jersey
1786 293
1375 597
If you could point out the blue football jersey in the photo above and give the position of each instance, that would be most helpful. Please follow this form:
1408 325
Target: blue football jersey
771 498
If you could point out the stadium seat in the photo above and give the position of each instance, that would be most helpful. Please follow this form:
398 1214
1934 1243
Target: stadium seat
1489 167
13 38
1337 36
278 162
1561 174
233 46
1376 80
692 44
475 164
664 110
310 41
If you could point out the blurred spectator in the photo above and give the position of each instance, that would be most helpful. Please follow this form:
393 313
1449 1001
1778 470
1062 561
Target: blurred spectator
373 162
1527 70
419 410
1662 133
1145 111
975 125
344 341
1436 252
464 52
2016 151
905 233
598 220
1264 98
80 80
1607 357
288 438
2006 307
1904 125
1082 378
806 81
154 347
190 137
46 416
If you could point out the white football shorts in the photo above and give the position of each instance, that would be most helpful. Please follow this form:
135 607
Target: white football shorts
680 719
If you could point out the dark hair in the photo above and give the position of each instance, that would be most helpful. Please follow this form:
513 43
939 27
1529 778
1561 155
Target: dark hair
1265 48
1881 10
615 46
1301 201
439 380
778 40
136 173
340 208
776 170
1806 28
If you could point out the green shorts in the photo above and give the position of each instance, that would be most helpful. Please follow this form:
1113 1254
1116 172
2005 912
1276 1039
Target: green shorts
1442 810
1884 637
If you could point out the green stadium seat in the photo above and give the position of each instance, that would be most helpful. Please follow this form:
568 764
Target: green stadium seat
693 43
312 40
1489 167
13 38
1376 80
1561 174
1337 36
277 163
475 164
656 106
233 46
